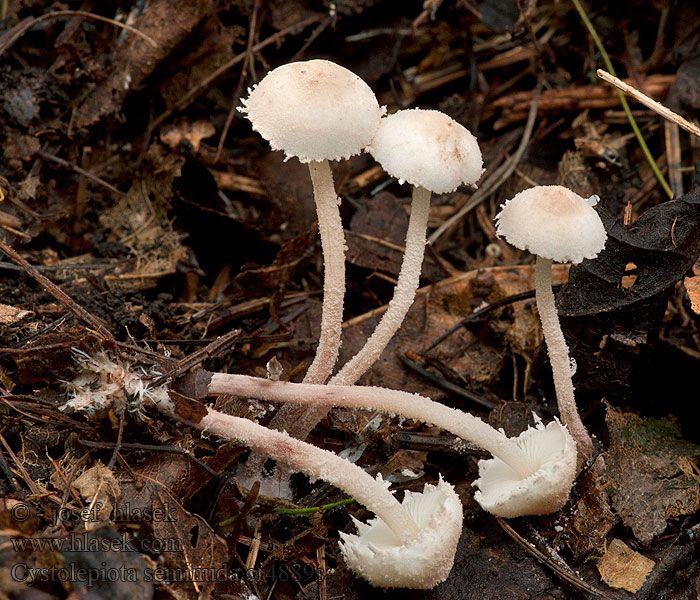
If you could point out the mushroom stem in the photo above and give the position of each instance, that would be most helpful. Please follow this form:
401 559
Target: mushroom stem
316 463
298 421
412 406
333 246
404 293
559 356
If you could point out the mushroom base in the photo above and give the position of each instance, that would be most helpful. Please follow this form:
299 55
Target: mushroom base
379 556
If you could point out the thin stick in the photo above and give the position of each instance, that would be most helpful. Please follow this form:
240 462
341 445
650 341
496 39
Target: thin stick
623 101
80 170
18 31
58 293
657 107
565 573
247 61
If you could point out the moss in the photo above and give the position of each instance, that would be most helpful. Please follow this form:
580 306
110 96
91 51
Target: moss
655 436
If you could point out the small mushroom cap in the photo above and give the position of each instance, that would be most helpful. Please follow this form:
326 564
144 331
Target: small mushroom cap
382 559
428 149
314 110
553 454
553 222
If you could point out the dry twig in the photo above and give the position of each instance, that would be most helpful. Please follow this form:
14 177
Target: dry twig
21 28
657 107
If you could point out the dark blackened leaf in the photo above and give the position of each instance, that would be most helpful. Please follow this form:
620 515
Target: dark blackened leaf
586 527
613 306
659 248
685 91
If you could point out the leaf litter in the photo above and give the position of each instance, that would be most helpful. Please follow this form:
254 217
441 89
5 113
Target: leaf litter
113 187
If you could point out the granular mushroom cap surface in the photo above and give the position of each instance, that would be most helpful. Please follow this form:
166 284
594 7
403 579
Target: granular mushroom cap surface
553 222
315 110
427 148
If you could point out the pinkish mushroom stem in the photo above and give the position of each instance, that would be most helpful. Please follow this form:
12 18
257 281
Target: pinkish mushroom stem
410 544
559 356
317 464
404 294
333 246
412 406
296 419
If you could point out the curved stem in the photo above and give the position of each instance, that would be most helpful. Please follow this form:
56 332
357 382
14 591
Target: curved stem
333 245
300 420
412 406
404 293
559 356
318 464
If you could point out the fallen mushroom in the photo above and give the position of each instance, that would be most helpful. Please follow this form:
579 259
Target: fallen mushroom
318 111
411 544
555 224
408 544
530 474
433 153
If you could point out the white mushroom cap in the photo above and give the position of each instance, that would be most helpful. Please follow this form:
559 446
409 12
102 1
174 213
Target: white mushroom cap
553 453
314 110
378 555
553 222
428 149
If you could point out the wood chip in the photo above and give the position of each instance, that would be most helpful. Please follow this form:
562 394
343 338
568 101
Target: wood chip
692 286
12 314
622 567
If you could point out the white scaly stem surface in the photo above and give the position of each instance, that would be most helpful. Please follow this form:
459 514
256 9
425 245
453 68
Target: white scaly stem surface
317 464
413 406
333 244
559 356
404 293
294 418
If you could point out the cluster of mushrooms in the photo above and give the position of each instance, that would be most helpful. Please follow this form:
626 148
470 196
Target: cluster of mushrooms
411 543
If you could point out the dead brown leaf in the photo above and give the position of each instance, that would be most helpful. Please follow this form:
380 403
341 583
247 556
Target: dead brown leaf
288 189
438 308
136 59
140 221
692 286
50 356
277 274
622 567
185 131
591 519
375 239
12 314
648 481
194 554
99 489
22 147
